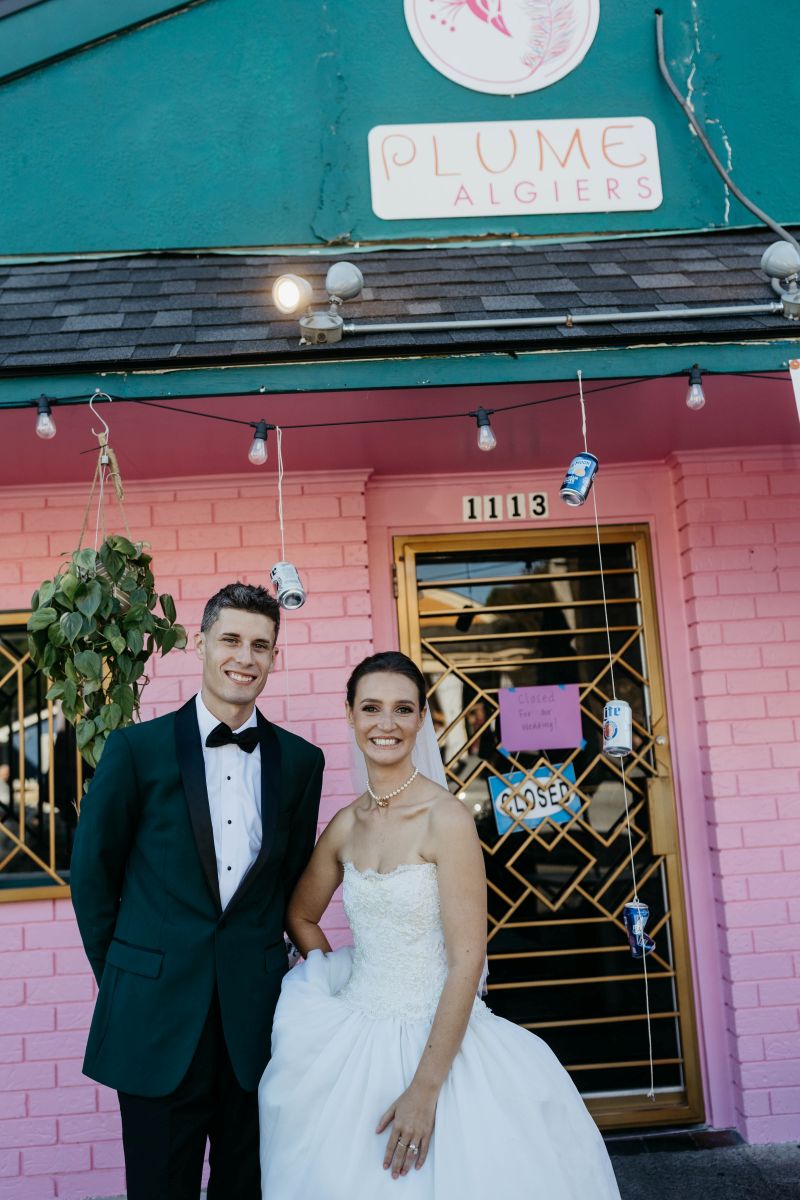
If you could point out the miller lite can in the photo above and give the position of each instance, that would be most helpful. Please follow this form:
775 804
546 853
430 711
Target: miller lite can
288 588
634 915
617 728
578 479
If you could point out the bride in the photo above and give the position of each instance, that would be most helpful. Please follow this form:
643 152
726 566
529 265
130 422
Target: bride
386 1065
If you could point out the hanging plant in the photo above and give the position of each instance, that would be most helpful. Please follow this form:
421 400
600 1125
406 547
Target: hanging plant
92 630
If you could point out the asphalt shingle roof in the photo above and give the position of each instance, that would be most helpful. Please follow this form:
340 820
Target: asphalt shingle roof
151 309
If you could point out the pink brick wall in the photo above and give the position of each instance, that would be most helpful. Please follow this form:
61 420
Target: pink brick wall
59 1132
739 522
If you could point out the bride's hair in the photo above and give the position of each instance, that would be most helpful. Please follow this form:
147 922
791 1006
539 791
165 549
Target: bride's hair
390 662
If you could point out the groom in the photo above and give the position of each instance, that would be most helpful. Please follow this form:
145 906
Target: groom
195 829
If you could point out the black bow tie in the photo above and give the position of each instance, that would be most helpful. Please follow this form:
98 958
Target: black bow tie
223 735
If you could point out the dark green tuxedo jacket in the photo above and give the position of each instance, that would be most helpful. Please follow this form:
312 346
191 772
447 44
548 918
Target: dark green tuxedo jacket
146 895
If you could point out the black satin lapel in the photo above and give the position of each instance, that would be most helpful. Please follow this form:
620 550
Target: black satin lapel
189 750
270 802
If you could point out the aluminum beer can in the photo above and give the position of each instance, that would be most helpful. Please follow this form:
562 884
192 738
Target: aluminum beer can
617 728
288 588
634 915
578 479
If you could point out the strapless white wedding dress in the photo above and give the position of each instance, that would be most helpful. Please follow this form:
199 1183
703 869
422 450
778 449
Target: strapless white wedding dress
349 1031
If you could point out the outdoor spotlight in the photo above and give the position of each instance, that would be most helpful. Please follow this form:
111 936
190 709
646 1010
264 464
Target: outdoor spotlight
292 294
781 261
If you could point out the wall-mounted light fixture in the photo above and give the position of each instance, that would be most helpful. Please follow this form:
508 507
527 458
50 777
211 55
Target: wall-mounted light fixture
45 425
293 294
781 262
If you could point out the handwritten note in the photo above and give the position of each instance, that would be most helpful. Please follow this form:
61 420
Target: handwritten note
540 718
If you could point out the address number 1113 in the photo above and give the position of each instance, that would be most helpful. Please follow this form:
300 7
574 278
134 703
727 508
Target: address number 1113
513 506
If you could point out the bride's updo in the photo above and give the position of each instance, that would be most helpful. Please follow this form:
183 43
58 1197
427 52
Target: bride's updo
390 662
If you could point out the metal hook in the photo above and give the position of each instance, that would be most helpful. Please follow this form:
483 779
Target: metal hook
97 396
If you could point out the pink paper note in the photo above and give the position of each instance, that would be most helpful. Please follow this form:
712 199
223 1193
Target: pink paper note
540 718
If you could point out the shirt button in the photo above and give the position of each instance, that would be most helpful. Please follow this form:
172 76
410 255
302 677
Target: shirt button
228 778
230 868
229 821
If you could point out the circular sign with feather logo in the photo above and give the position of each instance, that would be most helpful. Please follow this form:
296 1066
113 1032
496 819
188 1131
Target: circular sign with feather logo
505 47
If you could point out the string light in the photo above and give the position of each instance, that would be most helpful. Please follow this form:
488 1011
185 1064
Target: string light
45 425
486 437
695 396
257 453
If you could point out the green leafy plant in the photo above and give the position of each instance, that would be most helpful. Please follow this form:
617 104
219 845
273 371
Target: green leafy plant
91 631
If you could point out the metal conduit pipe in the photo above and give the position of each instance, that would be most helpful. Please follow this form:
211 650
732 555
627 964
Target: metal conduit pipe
568 319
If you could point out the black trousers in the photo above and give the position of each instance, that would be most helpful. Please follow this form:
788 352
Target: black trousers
164 1137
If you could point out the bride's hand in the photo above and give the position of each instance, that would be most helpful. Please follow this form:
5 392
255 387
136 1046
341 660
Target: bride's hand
412 1117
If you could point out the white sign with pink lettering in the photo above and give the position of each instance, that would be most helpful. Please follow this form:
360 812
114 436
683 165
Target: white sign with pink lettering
514 168
505 47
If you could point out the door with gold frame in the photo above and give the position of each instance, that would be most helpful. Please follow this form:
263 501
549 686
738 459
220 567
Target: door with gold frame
480 612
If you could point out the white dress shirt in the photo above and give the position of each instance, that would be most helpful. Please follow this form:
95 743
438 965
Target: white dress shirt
233 780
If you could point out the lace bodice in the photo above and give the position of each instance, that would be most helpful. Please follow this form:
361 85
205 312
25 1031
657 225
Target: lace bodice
399 961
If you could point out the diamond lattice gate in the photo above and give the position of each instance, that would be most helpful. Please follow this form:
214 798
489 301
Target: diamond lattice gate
481 612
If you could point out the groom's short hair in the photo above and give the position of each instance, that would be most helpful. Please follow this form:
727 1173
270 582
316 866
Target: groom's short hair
247 597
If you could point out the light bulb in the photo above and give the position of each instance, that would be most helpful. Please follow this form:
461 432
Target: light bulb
695 396
257 453
486 438
290 293
45 425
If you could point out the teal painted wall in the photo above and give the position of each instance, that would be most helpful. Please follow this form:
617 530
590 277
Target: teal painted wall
245 122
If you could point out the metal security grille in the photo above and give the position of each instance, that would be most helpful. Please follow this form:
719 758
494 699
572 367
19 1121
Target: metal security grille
484 612
40 776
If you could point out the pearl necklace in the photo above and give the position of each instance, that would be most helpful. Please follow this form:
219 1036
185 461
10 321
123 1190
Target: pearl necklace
383 801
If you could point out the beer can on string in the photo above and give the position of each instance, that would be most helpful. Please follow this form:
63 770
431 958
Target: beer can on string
288 588
634 916
617 728
578 479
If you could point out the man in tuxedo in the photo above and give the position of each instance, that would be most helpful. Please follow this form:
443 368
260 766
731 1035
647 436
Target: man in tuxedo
194 831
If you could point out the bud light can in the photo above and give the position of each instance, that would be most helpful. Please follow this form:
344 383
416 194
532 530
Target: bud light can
617 728
288 588
634 915
578 479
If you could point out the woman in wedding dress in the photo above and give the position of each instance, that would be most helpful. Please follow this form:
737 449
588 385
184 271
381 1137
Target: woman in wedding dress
387 1071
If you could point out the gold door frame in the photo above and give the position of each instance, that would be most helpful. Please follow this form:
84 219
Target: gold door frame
669 1108
58 888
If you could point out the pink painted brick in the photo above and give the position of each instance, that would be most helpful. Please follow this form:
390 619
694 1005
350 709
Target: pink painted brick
750 534
742 862
107 1101
692 537
772 1129
353 505
785 655
47 1047
194 537
10 1048
69 1073
788 556
725 658
761 681
739 758
74 1016
762 731
53 1160
745 632
339 579
258 511
91 1127
91 1183
738 485
767 1020
783 1046
772 833
108 1154
713 608
25 1075
19 912
786 756
27 1189
728 708
705 633
764 887
780 991
31 1018
783 937
754 913
10 1163
753 783
781 605
753 1103
22 546
12 1105
725 837
787 705
355 554
70 962
743 995
758 967
717 558
712 512
789 581
25 964
749 1049
715 733
319 605
45 937
179 513
732 809
787 531
57 1104
12 991
10 938
785 1100
347 629
721 783
39 1131
730 887
747 583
